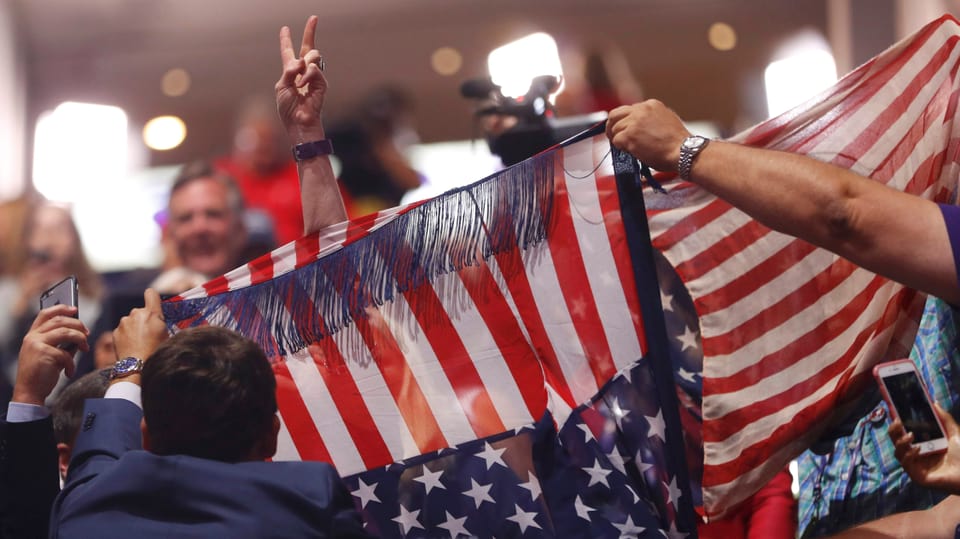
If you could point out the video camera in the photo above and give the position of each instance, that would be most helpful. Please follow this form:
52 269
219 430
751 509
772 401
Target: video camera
529 124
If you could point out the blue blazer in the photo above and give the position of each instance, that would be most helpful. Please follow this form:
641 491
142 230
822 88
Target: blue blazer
115 489
29 480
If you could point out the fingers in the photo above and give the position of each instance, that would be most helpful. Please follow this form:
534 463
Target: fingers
52 312
309 33
949 424
286 46
151 301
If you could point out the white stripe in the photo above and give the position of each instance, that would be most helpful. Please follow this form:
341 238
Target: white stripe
596 253
286 449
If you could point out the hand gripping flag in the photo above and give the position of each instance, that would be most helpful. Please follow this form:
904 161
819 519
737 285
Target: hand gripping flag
479 364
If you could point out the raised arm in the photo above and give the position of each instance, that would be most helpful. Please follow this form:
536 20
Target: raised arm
300 92
894 234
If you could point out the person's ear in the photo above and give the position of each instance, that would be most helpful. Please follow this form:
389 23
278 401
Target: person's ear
144 435
63 459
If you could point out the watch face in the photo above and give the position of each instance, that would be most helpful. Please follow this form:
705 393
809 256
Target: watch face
693 142
125 366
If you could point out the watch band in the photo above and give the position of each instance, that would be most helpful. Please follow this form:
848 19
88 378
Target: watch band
309 150
690 148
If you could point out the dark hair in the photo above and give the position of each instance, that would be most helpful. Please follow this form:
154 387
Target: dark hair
68 406
208 392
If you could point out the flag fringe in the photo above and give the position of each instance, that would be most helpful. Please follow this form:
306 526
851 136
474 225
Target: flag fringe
463 227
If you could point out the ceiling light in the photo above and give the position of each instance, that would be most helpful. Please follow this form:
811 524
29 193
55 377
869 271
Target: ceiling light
164 132
175 82
722 36
446 61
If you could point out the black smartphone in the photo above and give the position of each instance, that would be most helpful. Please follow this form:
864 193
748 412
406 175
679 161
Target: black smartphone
63 293
907 397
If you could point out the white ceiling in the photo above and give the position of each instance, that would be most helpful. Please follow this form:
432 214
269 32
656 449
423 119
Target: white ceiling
115 52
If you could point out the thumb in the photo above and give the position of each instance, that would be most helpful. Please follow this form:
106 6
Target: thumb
151 301
948 422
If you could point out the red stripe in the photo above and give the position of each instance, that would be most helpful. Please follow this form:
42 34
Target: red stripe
305 250
261 269
572 275
505 330
218 285
303 431
401 382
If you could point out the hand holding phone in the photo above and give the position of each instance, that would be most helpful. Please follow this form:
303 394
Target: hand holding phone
63 293
909 402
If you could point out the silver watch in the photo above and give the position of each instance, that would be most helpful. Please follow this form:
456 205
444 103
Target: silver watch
689 150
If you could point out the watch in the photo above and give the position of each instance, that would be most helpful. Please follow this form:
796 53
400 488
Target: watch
125 367
309 150
689 150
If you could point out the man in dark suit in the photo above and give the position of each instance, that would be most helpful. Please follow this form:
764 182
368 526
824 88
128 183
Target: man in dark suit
28 450
207 424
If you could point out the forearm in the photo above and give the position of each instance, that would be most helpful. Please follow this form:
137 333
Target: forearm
937 522
319 193
897 235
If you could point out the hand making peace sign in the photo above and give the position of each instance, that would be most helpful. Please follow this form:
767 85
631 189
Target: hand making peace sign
302 86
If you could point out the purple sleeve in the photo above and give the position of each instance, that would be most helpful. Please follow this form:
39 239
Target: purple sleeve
951 216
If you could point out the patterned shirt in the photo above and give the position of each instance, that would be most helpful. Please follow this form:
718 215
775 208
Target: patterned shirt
858 479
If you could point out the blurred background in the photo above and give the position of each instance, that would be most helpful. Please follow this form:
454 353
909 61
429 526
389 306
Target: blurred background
102 100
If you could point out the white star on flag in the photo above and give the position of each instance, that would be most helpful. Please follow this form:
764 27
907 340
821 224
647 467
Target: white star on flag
430 479
523 519
583 510
689 339
479 493
657 427
407 520
533 485
641 465
455 526
628 528
587 433
687 375
616 460
366 493
597 474
491 455
674 492
618 412
667 301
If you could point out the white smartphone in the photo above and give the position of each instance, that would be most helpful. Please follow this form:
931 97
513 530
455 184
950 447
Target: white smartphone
908 399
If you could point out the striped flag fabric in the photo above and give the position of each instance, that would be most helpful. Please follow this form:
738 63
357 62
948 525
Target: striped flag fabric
790 332
477 364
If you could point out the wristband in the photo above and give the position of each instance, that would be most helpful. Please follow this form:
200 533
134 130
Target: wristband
309 150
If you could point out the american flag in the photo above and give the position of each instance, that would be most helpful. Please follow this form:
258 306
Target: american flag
791 332
478 364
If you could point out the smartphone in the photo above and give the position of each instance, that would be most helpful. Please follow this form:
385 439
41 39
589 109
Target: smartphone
62 293
908 399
